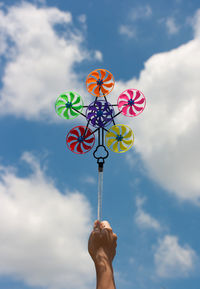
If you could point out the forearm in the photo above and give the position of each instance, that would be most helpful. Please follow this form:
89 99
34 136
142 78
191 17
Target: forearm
105 277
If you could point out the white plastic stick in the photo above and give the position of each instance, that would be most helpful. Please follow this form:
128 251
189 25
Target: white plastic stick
100 190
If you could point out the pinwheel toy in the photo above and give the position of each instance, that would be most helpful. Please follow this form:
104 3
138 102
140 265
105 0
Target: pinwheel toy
100 118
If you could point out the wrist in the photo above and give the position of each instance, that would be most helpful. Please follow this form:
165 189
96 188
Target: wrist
102 259
104 272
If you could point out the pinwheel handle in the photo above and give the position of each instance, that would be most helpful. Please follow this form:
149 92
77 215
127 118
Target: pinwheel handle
100 157
100 190
100 160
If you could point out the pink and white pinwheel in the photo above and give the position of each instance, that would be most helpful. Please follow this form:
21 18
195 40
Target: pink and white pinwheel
131 102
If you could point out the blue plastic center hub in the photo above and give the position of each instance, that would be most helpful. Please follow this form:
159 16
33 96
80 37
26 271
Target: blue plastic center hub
99 113
131 102
99 82
119 137
80 139
68 104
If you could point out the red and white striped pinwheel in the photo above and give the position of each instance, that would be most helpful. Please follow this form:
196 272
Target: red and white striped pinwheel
131 102
80 139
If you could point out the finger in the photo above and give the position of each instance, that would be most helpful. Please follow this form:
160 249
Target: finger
107 235
95 237
114 237
105 225
96 225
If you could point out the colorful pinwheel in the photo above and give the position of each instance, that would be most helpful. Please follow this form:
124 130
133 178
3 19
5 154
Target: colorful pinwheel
119 138
80 139
69 105
100 82
131 102
100 113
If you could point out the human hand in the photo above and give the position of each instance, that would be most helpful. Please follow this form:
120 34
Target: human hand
102 243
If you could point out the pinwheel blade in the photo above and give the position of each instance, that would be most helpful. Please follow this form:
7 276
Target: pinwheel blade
124 109
111 134
91 87
88 134
123 130
124 96
72 112
104 91
130 92
71 96
90 140
60 109
93 107
115 128
111 141
103 73
77 107
138 108
86 147
97 91
60 102
64 96
129 134
94 121
72 145
91 79
108 84
79 148
74 132
121 103
82 130
137 95
91 115
140 101
115 147
132 113
65 114
122 147
77 100
72 138
95 74
128 142
108 78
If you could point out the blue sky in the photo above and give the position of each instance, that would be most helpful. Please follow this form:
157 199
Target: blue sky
48 195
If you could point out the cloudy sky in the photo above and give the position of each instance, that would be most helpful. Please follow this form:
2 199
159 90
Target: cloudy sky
48 195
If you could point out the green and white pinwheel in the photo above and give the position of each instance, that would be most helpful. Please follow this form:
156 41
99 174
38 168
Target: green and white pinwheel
69 105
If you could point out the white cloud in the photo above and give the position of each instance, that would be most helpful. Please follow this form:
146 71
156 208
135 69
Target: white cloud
127 30
167 133
43 232
82 18
173 260
172 27
40 61
143 219
140 12
98 55
137 13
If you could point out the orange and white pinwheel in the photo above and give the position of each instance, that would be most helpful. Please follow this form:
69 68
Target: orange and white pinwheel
100 82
